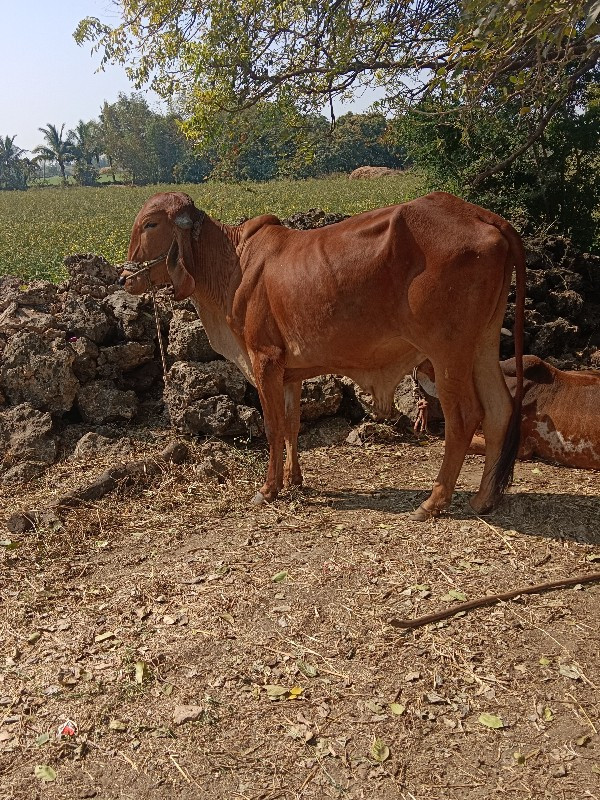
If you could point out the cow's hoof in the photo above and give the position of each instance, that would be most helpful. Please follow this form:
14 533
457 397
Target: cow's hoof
482 508
258 499
421 514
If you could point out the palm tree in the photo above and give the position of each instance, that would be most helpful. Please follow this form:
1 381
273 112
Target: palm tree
56 148
85 149
12 164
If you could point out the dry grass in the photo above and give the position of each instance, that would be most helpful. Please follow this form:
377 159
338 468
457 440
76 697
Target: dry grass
163 596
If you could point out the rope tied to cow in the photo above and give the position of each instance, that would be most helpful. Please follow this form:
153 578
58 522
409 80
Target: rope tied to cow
420 425
141 267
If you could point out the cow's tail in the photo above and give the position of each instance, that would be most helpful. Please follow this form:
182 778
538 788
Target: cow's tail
503 474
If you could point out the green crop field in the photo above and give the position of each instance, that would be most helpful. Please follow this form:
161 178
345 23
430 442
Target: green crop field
39 227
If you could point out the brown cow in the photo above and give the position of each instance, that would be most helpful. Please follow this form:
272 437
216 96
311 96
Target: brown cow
561 412
370 297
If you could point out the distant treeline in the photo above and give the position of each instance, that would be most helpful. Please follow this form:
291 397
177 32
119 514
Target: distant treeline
132 143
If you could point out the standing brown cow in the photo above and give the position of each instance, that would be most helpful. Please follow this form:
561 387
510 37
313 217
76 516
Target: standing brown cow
370 297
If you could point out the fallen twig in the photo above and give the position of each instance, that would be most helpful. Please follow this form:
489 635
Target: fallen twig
119 475
491 599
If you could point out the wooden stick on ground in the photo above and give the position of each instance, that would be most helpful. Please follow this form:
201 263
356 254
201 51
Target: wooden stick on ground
491 599
119 475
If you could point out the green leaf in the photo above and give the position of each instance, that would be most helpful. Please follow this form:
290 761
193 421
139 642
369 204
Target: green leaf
275 692
44 773
547 714
42 739
519 758
545 661
454 594
307 669
490 721
570 671
380 751
397 708
280 576
117 725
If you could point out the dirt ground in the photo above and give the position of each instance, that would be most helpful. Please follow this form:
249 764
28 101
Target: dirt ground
198 648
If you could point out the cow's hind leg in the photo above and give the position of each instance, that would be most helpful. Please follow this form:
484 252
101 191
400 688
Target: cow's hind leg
268 373
292 475
497 407
462 414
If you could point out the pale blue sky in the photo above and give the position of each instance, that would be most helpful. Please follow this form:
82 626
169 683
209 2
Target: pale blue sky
46 76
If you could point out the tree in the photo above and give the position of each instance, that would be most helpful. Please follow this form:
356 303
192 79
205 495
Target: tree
144 144
359 139
226 57
57 148
86 148
14 167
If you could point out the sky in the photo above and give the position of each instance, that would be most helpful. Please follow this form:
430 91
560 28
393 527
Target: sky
47 76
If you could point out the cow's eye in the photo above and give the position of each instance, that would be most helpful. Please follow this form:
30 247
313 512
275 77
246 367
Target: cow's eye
150 225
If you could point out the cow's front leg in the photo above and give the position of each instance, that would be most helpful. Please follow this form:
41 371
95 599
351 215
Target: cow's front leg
292 475
268 373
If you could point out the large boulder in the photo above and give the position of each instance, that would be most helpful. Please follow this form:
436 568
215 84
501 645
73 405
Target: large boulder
91 275
135 318
373 172
321 397
115 360
85 316
101 401
26 435
38 369
188 341
208 398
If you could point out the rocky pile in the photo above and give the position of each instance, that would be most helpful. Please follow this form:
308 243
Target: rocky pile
562 316
81 359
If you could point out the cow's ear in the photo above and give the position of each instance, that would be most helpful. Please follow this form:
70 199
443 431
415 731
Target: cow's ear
177 264
539 373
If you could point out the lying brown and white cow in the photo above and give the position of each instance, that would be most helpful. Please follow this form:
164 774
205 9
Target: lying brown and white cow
370 297
560 416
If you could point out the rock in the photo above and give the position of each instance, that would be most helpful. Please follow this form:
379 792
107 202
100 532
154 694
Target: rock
90 275
313 218
188 381
85 316
213 416
325 432
134 316
23 472
183 714
188 341
321 397
212 468
142 379
595 359
39 370
100 401
252 423
376 433
113 361
86 356
26 435
553 338
373 172
93 445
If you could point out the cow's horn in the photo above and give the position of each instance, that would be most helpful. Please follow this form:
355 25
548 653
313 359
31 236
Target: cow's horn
183 221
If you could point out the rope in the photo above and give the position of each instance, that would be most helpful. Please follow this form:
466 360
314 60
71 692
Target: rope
420 397
158 333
